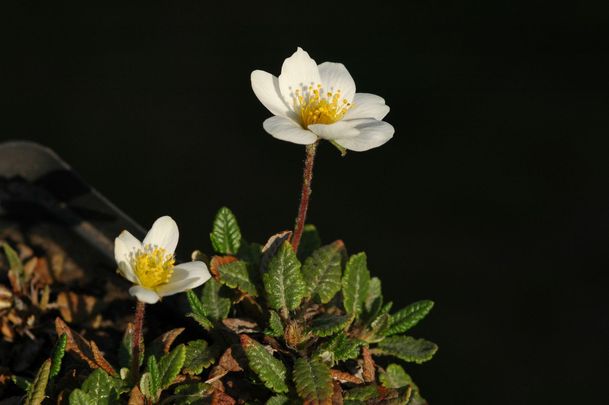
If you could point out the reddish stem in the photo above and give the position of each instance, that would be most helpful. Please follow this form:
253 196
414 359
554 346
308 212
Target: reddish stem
304 195
136 342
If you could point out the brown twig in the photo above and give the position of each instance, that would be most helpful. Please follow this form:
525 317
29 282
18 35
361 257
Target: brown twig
304 195
136 342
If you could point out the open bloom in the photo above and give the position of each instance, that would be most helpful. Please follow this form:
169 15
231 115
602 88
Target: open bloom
313 101
150 264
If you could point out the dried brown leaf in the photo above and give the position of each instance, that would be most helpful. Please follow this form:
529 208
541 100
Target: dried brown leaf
101 360
368 366
221 398
240 325
218 261
167 338
76 343
271 246
337 394
344 377
136 397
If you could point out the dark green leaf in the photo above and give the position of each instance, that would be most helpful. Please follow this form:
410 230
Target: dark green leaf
125 351
275 325
35 394
100 387
407 348
328 324
225 236
395 377
313 381
271 371
322 271
194 393
199 356
278 400
309 241
355 284
408 317
170 365
21 382
339 348
79 397
235 275
214 305
378 329
283 281
198 313
58 353
362 393
15 267
155 378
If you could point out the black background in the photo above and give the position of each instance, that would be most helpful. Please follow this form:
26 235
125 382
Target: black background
492 198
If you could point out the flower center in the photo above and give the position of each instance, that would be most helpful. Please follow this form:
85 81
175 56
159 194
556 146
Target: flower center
317 106
153 266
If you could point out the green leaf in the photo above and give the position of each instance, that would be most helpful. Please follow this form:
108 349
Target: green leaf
408 317
58 353
275 325
328 324
125 351
225 236
374 300
322 271
170 365
309 241
355 284
187 394
361 393
79 397
154 382
215 306
236 275
147 387
283 281
35 394
394 377
339 348
278 400
271 371
313 381
21 382
198 357
15 266
407 348
198 313
101 387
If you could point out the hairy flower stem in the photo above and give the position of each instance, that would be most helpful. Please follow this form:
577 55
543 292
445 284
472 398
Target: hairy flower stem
136 342
304 195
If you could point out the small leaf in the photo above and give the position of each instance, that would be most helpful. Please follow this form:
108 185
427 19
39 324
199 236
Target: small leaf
193 393
378 329
340 348
21 382
309 241
226 235
363 393
16 271
355 284
215 307
170 365
101 387
58 353
313 381
374 300
198 313
126 348
278 400
154 382
236 275
79 397
322 271
146 386
198 357
162 344
283 281
407 348
395 377
328 324
408 317
271 371
275 325
35 394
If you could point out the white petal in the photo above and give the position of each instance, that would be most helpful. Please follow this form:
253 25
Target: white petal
164 233
337 130
287 130
125 245
367 106
144 294
335 76
373 133
186 276
266 88
299 71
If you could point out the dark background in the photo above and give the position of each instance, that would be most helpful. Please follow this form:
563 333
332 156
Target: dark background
492 198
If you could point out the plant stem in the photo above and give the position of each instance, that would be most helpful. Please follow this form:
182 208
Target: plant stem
305 194
136 342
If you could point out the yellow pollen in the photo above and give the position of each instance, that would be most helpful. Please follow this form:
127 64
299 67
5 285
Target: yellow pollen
153 266
314 108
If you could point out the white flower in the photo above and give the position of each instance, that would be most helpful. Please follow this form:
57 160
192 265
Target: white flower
313 101
150 264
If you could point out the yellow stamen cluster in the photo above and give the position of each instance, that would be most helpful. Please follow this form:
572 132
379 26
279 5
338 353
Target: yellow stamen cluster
318 107
153 266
